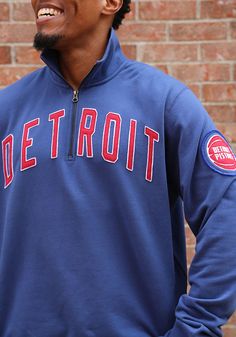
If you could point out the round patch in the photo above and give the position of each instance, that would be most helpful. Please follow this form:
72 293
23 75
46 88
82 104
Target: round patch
218 153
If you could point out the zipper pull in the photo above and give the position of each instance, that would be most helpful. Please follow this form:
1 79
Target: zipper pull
75 98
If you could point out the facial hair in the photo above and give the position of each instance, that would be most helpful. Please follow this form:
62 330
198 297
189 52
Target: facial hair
42 41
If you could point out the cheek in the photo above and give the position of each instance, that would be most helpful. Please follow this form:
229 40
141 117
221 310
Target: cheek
33 3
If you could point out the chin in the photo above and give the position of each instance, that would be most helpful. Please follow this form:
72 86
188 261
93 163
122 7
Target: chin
44 41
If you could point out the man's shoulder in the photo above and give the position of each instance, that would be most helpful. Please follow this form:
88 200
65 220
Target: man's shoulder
21 87
154 80
146 69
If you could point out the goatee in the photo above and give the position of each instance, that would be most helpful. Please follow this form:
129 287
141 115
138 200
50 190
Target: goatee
42 41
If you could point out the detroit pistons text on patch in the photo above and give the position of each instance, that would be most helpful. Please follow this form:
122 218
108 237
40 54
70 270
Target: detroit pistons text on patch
218 154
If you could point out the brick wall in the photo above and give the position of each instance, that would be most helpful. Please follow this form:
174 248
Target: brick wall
193 40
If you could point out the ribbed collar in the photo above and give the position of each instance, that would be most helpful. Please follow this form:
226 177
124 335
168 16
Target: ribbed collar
103 70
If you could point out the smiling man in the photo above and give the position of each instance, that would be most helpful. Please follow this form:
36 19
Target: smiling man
78 30
101 157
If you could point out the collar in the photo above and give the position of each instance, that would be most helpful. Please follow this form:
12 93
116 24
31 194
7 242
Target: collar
104 69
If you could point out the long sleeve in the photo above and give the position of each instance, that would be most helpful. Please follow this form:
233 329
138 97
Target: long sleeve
208 190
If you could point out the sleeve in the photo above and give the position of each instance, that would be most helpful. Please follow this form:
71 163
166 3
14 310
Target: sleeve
204 175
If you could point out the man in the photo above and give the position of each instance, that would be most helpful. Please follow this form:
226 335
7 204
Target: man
98 153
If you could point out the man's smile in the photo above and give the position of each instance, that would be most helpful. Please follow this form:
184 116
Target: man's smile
48 12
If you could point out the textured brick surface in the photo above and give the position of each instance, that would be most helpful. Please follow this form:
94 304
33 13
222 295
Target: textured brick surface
218 9
233 30
5 55
222 112
220 51
142 32
26 55
198 31
22 12
168 52
4 12
9 75
193 40
16 32
218 92
201 72
167 10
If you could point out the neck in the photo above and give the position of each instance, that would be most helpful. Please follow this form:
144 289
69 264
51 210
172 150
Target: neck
76 62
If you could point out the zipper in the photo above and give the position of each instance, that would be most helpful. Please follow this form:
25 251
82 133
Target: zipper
75 100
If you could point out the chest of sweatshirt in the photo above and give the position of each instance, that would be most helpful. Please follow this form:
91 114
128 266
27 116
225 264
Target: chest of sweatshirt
113 124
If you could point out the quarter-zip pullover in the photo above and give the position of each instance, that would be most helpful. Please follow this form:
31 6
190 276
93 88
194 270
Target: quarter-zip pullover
92 189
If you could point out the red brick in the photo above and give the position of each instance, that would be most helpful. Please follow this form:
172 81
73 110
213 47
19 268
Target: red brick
162 67
222 113
219 92
198 31
167 10
19 32
196 89
190 238
9 75
229 331
233 29
219 51
27 55
218 9
5 55
142 32
131 14
4 12
130 51
168 52
201 72
190 253
23 12
229 130
232 319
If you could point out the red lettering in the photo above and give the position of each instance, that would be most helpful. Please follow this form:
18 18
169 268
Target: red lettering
55 117
26 143
86 133
153 136
112 156
7 156
131 146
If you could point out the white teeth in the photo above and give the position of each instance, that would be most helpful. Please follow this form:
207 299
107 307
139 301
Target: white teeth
48 11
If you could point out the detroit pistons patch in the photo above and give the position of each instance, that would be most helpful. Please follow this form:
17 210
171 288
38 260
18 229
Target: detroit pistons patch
218 154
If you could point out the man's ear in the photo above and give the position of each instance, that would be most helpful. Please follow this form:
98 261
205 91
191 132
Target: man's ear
111 7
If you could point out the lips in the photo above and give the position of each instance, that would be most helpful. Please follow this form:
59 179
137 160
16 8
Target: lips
48 11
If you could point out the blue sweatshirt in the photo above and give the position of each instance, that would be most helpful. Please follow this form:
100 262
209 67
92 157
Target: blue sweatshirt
92 188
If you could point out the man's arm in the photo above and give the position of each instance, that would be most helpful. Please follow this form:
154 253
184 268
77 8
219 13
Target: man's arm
212 276
208 190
